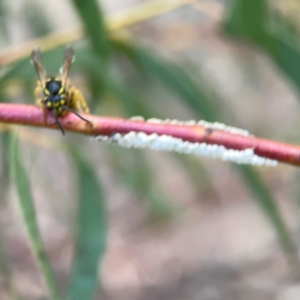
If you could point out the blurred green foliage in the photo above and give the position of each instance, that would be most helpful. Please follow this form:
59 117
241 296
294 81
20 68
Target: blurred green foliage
249 20
246 20
21 180
91 232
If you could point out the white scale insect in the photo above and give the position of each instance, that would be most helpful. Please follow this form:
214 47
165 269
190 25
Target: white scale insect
172 144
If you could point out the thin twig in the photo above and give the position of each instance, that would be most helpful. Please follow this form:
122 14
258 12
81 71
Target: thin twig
108 126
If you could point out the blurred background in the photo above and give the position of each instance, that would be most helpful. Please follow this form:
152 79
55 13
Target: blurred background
166 226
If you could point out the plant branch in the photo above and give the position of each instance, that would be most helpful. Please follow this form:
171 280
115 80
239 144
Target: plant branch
107 126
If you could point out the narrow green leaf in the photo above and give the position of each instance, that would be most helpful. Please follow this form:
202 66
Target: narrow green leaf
286 54
5 164
268 205
171 76
22 183
247 19
134 170
93 20
91 235
198 176
5 262
6 270
3 20
95 66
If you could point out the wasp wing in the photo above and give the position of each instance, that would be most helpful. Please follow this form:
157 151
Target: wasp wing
36 60
69 57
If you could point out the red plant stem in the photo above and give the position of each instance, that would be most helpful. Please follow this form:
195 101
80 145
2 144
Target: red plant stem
33 115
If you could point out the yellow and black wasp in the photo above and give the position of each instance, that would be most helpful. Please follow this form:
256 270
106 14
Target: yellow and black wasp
56 94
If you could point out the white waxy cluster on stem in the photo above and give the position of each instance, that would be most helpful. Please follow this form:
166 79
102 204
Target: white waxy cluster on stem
215 125
172 144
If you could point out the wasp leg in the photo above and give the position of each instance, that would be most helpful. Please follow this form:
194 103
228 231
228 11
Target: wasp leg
77 114
57 121
76 100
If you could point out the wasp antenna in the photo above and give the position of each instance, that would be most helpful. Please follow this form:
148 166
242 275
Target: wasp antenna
57 122
77 114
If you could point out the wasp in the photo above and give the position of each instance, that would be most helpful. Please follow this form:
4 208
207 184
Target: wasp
56 94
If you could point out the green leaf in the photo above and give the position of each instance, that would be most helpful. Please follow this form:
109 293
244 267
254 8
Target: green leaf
91 235
199 176
5 262
247 19
3 20
268 205
133 168
171 76
285 52
93 20
94 65
22 183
